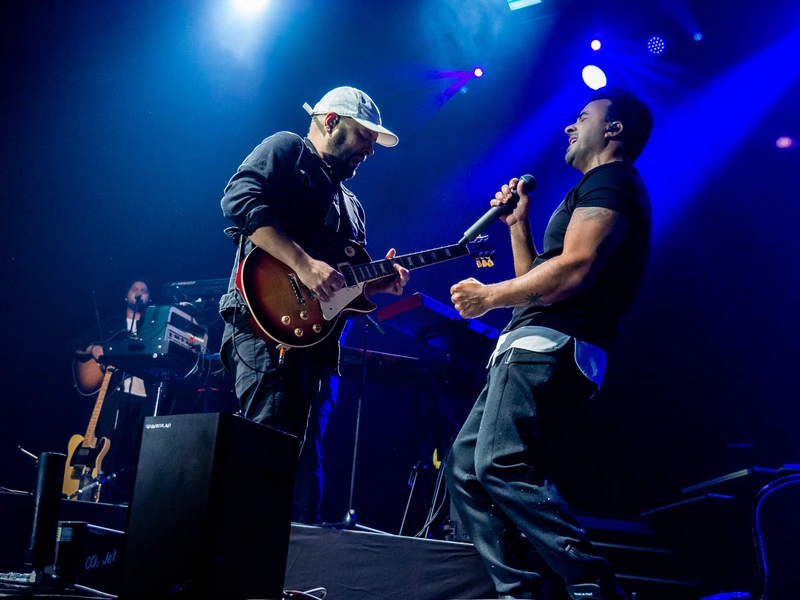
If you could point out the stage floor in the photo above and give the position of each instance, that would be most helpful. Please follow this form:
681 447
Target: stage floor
351 565
361 565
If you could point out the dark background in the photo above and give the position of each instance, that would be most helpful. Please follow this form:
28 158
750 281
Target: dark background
122 122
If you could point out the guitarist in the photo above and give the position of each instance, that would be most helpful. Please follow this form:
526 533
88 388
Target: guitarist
286 197
125 407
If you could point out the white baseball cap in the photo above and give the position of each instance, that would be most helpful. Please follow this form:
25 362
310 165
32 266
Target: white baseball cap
349 102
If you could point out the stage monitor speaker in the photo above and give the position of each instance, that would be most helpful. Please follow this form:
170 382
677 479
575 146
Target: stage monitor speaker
210 511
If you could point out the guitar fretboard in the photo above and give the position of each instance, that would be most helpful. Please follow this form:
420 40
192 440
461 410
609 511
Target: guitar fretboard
383 268
89 440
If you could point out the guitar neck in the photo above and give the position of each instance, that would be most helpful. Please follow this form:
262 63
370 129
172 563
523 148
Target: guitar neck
378 269
89 439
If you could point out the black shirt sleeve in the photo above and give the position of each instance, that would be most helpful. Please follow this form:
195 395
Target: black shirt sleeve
611 186
253 195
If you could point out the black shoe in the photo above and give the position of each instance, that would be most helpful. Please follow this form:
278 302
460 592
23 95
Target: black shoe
600 589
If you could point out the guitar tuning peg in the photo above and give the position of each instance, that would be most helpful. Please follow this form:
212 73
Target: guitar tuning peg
478 263
489 262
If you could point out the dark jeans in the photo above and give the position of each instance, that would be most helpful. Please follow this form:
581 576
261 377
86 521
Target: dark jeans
308 488
498 476
288 398
278 396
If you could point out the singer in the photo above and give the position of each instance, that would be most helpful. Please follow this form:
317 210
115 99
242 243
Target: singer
567 303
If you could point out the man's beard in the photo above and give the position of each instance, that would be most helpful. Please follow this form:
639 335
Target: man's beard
340 167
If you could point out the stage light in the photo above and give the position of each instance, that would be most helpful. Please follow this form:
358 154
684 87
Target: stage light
697 36
656 45
477 72
249 7
596 45
517 4
594 77
785 142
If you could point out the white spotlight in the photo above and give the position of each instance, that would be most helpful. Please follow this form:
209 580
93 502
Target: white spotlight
249 7
594 77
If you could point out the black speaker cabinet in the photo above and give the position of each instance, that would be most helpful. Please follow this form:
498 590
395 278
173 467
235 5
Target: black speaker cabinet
210 511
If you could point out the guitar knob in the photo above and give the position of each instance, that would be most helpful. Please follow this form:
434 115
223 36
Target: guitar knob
316 327
298 332
304 315
285 320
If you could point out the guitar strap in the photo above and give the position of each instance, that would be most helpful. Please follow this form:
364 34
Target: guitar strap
241 305
237 235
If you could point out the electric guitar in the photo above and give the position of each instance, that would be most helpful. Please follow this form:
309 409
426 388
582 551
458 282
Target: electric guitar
283 310
85 453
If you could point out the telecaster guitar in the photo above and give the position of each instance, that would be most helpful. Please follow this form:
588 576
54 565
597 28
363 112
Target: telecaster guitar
85 453
283 310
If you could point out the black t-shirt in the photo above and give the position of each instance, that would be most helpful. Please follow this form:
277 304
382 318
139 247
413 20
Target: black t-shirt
593 315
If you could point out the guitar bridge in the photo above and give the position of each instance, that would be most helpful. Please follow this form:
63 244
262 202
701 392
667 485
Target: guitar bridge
298 294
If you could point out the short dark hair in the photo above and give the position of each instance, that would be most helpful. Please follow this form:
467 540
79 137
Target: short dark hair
635 116
132 281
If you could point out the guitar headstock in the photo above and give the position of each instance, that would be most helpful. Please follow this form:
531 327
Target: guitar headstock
482 251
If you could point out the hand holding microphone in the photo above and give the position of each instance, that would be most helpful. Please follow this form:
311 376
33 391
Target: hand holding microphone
499 209
510 215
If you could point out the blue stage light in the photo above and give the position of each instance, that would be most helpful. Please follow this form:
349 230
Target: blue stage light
697 36
785 142
594 77
656 45
477 72
596 45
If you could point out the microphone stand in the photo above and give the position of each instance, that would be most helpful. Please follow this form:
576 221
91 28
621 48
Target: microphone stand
349 519
137 310
97 482
97 317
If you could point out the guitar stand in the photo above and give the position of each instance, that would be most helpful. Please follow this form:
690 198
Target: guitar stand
349 519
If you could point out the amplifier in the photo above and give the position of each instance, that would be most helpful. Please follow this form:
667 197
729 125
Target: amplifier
89 555
171 324
170 341
211 509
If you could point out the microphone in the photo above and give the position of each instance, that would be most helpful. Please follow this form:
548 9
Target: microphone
137 304
495 212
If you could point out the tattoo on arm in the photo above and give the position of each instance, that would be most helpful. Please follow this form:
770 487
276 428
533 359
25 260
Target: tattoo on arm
593 213
535 299
596 213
